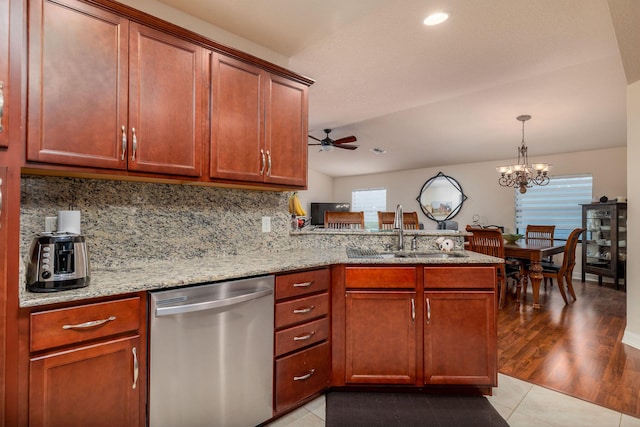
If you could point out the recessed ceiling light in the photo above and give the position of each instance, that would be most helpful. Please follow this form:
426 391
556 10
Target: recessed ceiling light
377 150
436 18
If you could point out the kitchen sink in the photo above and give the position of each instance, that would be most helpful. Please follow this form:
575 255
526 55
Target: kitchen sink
370 253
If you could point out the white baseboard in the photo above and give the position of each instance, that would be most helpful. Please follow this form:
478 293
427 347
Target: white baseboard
631 338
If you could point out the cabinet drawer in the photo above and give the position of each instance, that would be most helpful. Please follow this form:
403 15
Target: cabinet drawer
300 336
380 277
302 283
302 374
301 310
55 328
460 277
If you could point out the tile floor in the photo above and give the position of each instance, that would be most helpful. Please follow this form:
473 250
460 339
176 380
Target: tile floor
521 403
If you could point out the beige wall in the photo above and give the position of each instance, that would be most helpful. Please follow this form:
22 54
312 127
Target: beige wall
479 181
632 332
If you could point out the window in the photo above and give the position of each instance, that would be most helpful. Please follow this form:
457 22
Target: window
370 201
557 203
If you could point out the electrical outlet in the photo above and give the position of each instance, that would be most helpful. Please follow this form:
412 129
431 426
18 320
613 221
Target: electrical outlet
266 224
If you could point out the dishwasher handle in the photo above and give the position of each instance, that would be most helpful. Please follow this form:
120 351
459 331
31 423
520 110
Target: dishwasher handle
211 304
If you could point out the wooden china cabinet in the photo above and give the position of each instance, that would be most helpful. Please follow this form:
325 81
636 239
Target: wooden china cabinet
604 243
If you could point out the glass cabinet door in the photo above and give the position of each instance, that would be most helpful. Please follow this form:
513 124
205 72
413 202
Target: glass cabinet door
605 240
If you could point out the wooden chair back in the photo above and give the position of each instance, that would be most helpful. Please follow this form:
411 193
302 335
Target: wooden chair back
489 241
569 255
540 232
565 271
344 220
486 241
385 220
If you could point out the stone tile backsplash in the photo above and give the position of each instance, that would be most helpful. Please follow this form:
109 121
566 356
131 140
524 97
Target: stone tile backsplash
126 222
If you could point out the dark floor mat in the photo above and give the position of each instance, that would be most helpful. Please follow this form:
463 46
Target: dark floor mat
352 409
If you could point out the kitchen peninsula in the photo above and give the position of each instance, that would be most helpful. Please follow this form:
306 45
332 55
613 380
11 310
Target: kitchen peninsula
454 296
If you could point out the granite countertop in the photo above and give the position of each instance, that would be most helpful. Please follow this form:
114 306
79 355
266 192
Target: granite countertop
162 274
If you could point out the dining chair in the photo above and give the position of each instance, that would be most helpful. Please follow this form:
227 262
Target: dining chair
565 270
385 220
344 220
489 241
541 232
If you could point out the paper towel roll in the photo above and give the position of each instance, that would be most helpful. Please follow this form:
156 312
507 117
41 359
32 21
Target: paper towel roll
69 222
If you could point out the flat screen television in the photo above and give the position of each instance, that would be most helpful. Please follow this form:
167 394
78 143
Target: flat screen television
318 210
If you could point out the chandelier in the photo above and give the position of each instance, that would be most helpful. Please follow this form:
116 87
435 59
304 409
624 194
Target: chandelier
522 175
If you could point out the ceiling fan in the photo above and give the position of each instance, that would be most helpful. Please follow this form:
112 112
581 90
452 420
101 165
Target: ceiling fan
327 143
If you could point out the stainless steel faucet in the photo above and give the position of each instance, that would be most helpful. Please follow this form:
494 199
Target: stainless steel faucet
398 224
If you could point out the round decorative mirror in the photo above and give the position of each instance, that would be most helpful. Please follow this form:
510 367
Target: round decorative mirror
441 197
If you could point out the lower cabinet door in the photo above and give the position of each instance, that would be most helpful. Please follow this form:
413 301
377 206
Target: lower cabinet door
380 337
97 385
459 338
301 375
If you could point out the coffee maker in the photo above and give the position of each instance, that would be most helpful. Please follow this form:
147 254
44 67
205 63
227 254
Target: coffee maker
57 262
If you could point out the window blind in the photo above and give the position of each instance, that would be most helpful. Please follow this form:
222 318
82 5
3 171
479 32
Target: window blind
370 201
557 203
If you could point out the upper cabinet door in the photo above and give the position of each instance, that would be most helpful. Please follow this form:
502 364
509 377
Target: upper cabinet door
286 132
4 72
237 137
168 103
77 84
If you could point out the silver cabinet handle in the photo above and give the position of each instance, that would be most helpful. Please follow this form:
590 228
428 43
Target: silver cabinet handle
135 144
304 337
303 310
413 310
305 376
303 285
91 324
135 367
428 311
269 168
264 163
1 104
124 142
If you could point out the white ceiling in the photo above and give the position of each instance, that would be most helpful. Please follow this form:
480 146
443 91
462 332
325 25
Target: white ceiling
449 94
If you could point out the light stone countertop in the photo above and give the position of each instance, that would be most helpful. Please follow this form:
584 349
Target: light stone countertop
163 274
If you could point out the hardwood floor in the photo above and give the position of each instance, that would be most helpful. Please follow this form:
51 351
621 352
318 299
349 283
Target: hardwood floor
575 349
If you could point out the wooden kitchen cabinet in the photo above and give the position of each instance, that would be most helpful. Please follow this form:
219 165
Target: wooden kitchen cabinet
415 326
258 125
4 72
380 337
302 362
106 92
459 338
460 326
88 364
380 325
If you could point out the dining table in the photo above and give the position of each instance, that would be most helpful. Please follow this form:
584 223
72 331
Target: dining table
534 251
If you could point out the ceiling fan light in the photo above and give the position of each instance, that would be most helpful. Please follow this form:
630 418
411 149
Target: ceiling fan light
326 147
436 18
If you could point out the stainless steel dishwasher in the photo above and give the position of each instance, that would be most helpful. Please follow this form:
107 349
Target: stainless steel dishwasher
211 354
